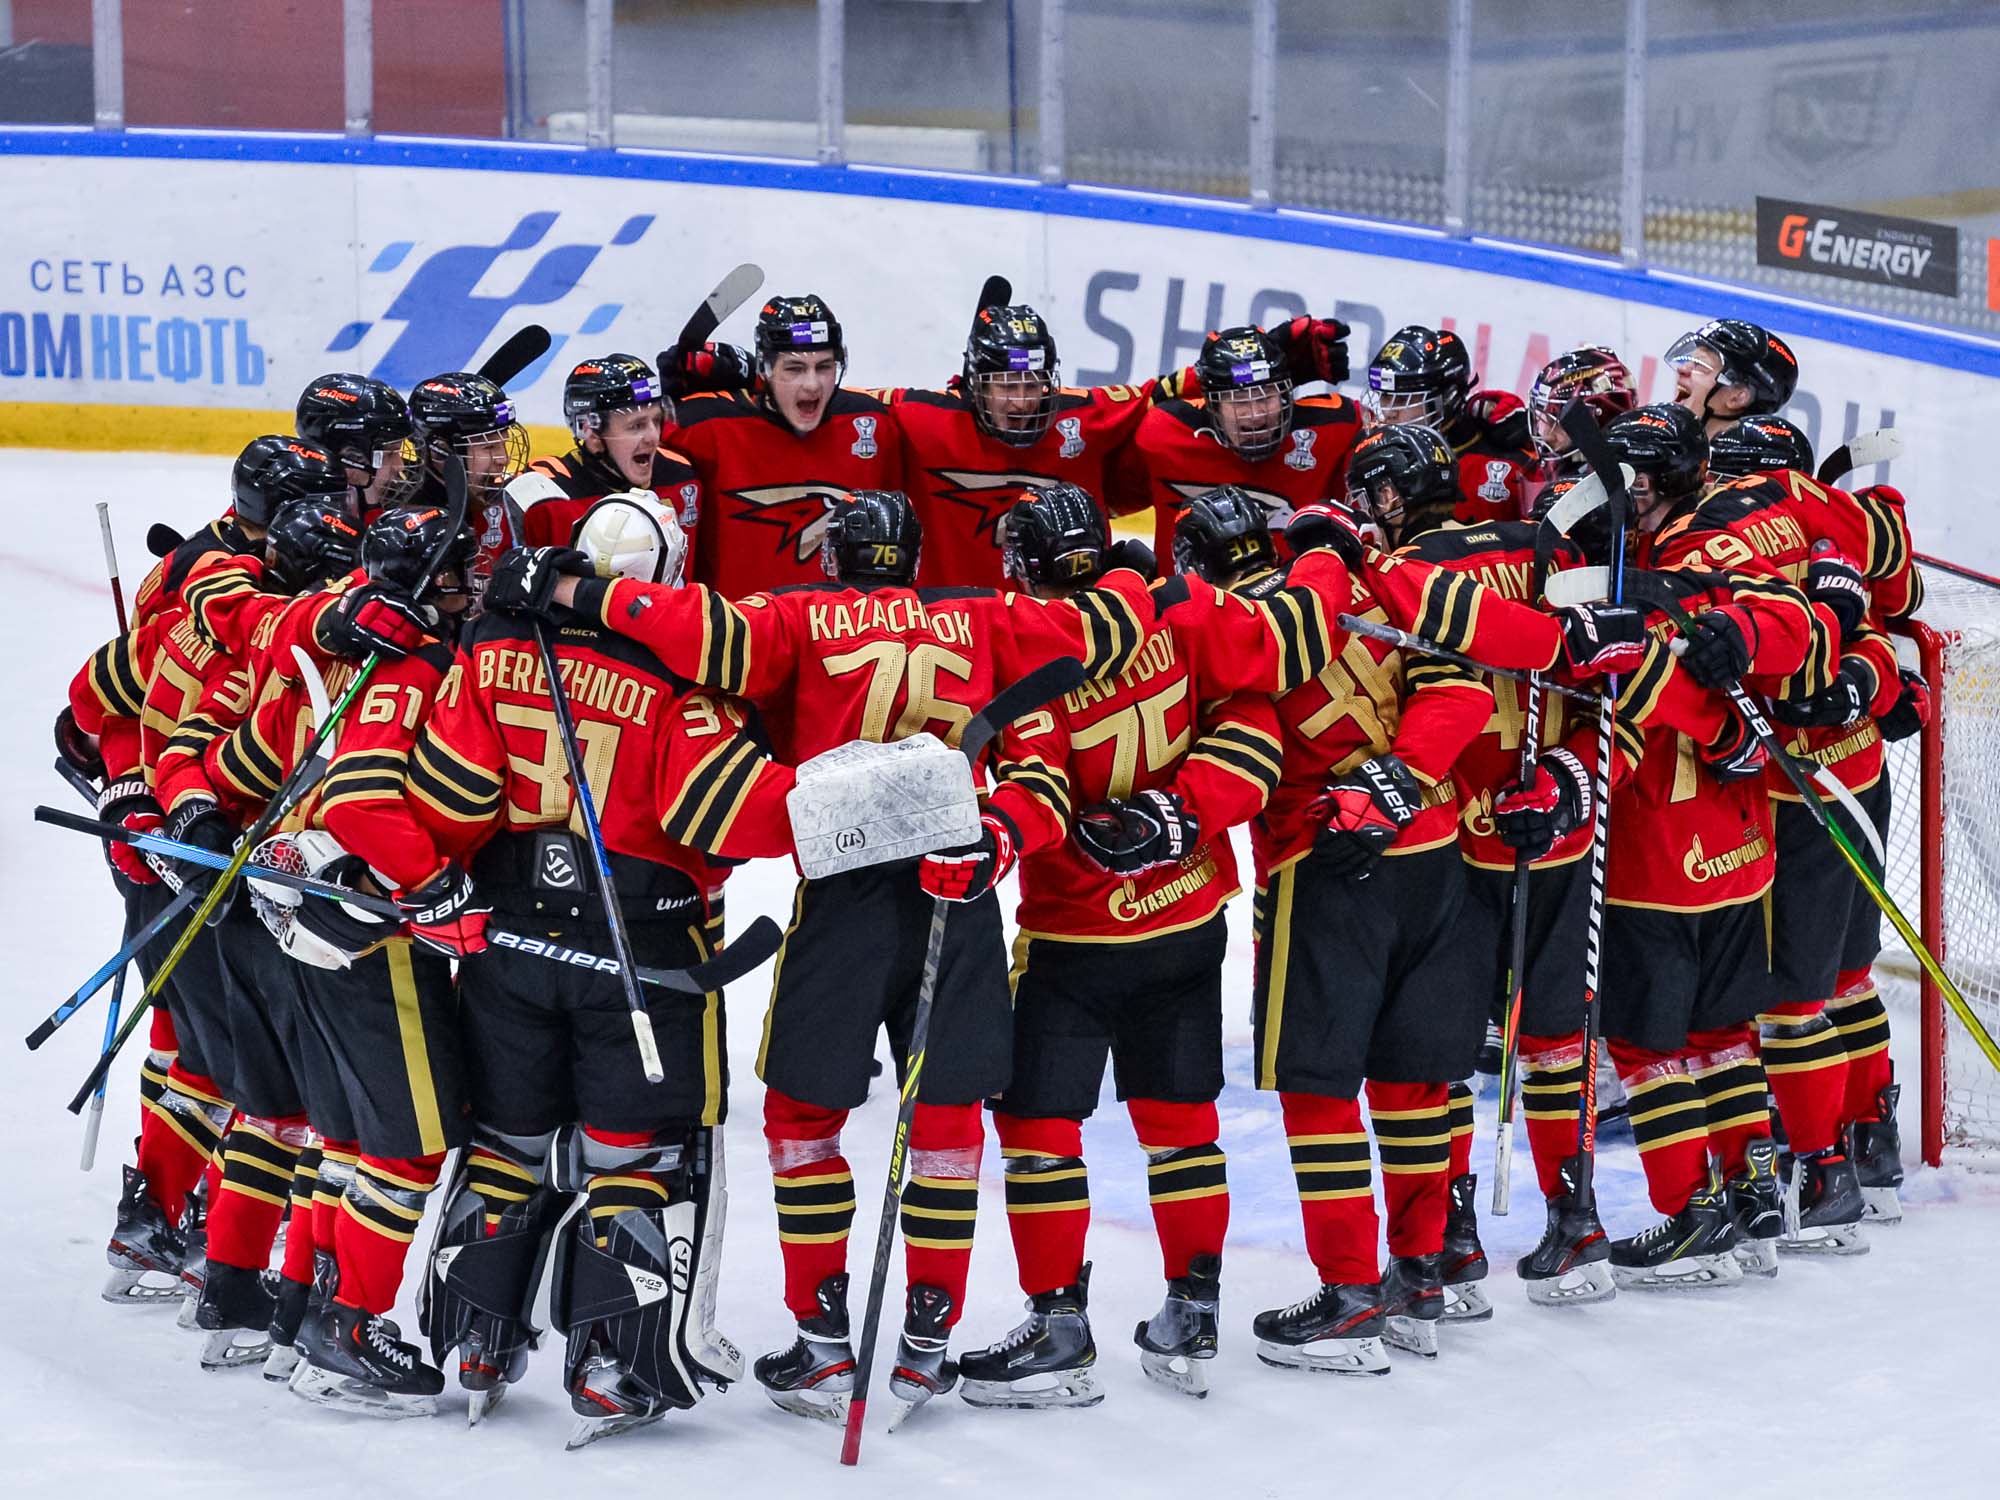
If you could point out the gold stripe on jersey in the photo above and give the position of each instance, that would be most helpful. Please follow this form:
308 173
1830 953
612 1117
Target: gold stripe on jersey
114 678
1448 610
1305 643
205 592
1243 751
1888 538
1111 632
364 776
1047 784
193 735
1639 699
451 785
1430 672
725 644
708 801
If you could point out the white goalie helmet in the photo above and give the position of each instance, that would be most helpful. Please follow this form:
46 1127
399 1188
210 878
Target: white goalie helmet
633 534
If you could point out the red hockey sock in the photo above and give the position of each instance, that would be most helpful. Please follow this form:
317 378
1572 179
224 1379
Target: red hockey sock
1413 1138
258 1158
337 1161
1807 1065
1336 1189
1857 1013
1551 1100
379 1214
941 1200
299 1236
1048 1199
1736 1096
815 1193
1459 1099
1667 1122
180 1133
1187 1178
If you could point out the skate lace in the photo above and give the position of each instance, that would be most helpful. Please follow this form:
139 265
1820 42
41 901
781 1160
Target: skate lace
384 1347
1021 1335
1303 1305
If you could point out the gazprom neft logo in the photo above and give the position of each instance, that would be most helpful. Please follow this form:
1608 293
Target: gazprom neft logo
438 319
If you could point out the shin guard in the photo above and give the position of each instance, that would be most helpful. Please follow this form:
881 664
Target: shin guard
941 1199
814 1187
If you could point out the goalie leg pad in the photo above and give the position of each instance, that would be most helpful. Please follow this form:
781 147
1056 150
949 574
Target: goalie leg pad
630 1300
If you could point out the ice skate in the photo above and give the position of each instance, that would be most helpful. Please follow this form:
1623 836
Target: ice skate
1413 1303
1570 1267
607 1402
145 1252
814 1377
357 1361
1336 1331
1691 1251
1465 1301
1046 1361
922 1368
1876 1147
1178 1341
288 1310
1823 1206
1756 1204
234 1309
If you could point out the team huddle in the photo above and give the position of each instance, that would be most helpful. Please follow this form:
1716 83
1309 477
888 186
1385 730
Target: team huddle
1470 669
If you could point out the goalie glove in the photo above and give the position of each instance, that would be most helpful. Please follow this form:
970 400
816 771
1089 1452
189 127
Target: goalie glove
325 934
1737 755
1361 815
1839 703
1602 639
447 914
1911 710
1718 646
1835 583
971 870
1126 835
1557 800
130 804
524 581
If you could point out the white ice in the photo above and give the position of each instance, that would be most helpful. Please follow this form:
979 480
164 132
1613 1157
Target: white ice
1861 1377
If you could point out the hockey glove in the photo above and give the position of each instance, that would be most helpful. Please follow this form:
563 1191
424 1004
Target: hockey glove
1130 552
1840 702
1494 407
1602 639
79 750
971 870
130 804
1315 349
1127 835
524 581
1556 801
1912 710
1834 582
1737 755
1362 815
708 367
201 822
343 928
373 621
1718 646
446 913
1326 525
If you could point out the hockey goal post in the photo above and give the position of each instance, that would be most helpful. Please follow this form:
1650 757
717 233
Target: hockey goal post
1944 857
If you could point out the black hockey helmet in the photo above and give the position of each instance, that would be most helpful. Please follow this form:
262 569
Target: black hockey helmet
463 413
399 546
356 418
274 469
1011 349
1759 445
1666 443
1589 373
1240 369
1402 478
793 324
872 537
1054 536
1747 356
1222 533
598 387
1420 375
311 541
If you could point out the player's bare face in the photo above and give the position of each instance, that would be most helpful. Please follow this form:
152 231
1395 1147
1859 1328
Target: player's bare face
387 478
486 460
1249 417
1649 507
802 386
1695 381
631 437
1013 399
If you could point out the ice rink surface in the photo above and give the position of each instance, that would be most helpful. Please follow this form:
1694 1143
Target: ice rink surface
1866 1376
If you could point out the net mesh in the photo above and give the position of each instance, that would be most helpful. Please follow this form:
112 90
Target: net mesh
1965 616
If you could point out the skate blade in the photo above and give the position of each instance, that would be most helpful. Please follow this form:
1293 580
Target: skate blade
221 1351
1881 1205
130 1286
1177 1372
1698 1273
1418 1336
1065 1388
479 1405
1467 1303
590 1430
325 1388
1757 1257
1327 1356
1579 1286
190 1309
280 1364
814 1406
1829 1239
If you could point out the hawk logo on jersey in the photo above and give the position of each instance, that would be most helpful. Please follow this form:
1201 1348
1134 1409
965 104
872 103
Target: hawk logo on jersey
798 511
1301 456
1498 471
1071 429
864 437
988 496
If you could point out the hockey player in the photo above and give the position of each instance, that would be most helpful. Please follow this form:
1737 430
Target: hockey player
616 412
773 460
1589 373
1120 952
366 425
1729 369
1249 428
1425 375
864 656
470 416
678 777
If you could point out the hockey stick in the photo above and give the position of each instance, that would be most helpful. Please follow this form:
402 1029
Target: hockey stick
511 358
1656 594
752 947
730 293
1391 635
161 539
997 291
1862 451
586 804
117 1003
1583 432
1048 681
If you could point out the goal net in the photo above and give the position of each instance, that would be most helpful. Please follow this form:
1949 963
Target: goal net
1944 858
